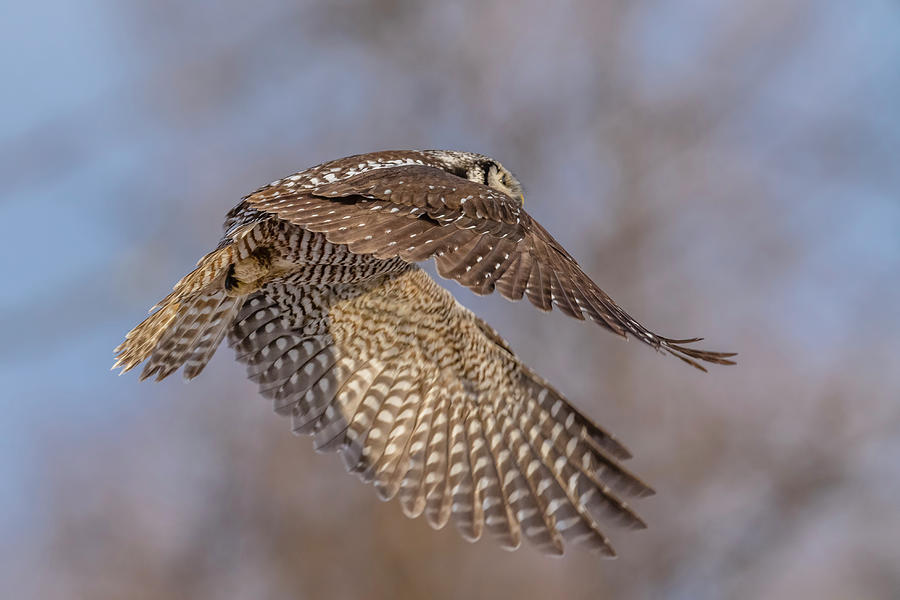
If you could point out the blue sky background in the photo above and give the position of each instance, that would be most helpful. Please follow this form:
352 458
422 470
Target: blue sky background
722 169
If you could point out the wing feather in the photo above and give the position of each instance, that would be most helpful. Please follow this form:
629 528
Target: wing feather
530 512
466 508
436 480
332 427
488 474
416 211
570 519
359 440
427 402
412 489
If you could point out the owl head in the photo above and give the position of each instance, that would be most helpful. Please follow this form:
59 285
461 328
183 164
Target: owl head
480 169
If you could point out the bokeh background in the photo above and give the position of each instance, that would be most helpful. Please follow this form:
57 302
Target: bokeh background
723 169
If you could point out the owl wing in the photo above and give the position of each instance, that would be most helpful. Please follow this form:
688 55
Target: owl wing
426 401
479 236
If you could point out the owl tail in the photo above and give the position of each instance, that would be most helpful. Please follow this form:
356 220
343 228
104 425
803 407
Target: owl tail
189 323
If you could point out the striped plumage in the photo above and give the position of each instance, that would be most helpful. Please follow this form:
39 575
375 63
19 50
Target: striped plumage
316 288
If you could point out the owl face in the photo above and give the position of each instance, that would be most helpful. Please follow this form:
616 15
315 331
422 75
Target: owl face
498 178
480 169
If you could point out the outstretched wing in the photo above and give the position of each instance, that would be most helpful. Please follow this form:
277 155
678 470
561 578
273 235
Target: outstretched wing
426 401
479 236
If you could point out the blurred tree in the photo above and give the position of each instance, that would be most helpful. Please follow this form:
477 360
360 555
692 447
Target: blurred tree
745 157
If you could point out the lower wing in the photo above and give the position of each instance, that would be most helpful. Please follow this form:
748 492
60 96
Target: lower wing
426 401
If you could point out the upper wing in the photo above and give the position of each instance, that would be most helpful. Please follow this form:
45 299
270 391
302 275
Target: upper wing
478 236
425 400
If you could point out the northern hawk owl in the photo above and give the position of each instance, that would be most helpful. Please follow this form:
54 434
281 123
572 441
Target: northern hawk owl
316 286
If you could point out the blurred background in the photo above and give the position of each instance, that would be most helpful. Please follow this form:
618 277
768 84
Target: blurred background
721 169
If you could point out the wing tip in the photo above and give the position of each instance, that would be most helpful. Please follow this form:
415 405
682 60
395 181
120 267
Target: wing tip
692 356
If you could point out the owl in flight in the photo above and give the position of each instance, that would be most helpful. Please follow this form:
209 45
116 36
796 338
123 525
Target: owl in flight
316 286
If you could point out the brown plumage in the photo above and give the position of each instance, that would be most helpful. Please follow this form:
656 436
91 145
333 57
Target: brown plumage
316 288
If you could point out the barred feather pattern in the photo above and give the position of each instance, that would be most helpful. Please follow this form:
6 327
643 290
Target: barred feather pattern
315 286
425 401
421 204
190 323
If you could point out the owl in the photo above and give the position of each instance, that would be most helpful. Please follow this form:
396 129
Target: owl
316 285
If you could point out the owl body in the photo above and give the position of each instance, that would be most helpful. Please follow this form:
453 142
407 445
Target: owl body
316 287
307 258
